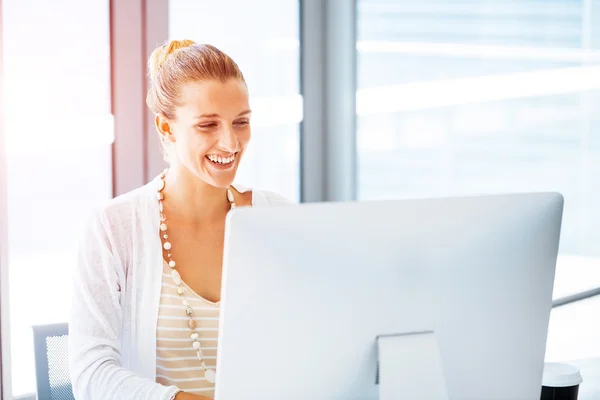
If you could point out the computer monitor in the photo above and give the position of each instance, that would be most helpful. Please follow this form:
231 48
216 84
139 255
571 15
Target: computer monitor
307 290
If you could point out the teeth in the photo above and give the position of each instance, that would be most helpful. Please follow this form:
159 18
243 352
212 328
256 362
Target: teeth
221 160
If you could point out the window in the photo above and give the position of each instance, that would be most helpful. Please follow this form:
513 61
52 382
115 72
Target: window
268 56
58 141
477 97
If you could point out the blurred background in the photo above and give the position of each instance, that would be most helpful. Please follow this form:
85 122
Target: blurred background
453 97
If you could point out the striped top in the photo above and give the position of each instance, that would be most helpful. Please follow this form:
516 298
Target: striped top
176 360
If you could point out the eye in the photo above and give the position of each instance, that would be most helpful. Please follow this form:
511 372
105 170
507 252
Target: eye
242 123
210 125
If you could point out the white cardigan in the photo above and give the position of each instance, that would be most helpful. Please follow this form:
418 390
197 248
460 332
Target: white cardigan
117 282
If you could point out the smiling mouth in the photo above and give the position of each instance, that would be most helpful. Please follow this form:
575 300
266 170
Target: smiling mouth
221 160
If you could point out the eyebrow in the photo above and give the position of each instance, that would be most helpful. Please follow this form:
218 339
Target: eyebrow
213 115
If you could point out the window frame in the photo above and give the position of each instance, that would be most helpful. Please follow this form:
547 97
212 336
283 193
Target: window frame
328 153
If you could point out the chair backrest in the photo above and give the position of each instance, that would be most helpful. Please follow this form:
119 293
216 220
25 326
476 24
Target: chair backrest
52 362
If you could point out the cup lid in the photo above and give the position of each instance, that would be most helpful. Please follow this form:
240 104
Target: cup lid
560 375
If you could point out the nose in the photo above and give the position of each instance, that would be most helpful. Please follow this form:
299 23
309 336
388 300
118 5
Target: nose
228 140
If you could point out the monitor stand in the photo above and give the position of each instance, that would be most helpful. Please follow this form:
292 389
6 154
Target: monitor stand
410 367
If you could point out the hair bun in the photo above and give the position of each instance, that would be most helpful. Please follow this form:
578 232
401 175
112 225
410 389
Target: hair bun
162 53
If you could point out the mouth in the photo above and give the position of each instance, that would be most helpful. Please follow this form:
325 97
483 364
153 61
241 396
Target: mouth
221 160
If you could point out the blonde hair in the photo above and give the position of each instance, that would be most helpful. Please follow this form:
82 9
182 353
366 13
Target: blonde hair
181 61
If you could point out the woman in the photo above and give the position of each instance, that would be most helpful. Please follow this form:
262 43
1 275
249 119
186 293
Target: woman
146 297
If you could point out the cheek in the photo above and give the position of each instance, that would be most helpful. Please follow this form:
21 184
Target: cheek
191 147
196 142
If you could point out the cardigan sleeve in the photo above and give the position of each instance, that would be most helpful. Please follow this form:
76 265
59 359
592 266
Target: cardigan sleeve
95 324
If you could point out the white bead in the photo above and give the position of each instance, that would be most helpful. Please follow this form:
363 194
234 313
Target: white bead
167 245
180 290
195 336
176 277
210 376
185 302
161 184
163 227
160 206
230 196
172 264
196 345
159 196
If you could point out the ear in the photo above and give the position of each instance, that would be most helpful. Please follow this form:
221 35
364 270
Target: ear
163 126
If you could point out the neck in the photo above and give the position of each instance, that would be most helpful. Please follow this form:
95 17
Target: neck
192 199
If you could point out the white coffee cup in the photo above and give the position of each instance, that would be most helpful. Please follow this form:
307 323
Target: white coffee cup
560 381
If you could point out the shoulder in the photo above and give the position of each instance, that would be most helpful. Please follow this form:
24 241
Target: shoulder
125 205
268 198
117 216
263 197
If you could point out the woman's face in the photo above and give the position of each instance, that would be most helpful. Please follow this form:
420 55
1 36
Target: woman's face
210 131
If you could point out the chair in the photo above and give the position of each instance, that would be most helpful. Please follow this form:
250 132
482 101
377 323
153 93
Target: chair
52 362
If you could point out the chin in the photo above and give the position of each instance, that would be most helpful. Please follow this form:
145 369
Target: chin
219 182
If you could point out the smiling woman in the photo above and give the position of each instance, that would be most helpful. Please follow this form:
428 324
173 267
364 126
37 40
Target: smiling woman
148 282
